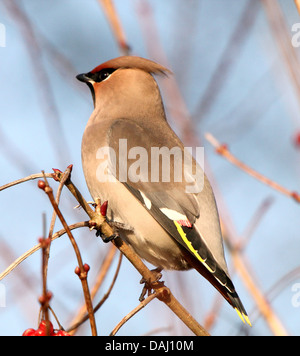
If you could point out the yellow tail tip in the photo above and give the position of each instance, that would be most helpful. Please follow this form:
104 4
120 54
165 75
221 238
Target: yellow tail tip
247 320
243 317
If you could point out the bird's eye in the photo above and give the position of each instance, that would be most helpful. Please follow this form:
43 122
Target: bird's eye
102 75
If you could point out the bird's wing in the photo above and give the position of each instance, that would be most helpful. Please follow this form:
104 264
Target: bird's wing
175 209
168 202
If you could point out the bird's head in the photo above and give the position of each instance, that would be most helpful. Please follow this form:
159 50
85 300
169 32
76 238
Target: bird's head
126 82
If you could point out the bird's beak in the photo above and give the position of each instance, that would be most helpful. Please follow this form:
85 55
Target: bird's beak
83 78
86 79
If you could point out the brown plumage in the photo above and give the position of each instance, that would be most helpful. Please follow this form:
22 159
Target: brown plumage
133 62
172 224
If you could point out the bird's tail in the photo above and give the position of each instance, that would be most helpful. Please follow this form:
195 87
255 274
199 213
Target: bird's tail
236 303
222 283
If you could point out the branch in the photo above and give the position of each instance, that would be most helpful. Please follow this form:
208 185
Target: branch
46 95
164 294
82 269
175 103
281 35
44 299
65 177
224 151
98 221
231 53
26 179
102 273
35 248
81 318
132 313
116 25
297 3
167 296
261 301
238 260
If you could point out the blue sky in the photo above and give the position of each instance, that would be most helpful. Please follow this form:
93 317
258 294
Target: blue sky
254 109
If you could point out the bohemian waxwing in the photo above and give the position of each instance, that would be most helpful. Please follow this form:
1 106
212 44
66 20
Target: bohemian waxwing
157 195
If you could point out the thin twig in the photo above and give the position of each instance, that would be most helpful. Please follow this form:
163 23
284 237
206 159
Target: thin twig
132 313
46 296
106 230
224 151
82 270
35 248
230 54
109 258
116 25
240 247
46 244
26 179
104 269
81 319
297 3
281 36
238 260
261 301
255 221
46 95
165 294
176 105
107 294
65 177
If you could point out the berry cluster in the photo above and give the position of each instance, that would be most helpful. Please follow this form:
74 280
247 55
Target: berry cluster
42 330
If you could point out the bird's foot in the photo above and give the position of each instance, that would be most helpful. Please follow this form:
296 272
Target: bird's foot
105 238
150 286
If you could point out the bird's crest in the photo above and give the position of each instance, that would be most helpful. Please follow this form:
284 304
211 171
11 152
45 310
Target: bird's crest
133 62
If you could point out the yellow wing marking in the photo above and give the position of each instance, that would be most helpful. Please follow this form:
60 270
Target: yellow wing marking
195 253
190 246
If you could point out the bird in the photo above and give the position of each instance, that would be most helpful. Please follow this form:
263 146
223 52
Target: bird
158 194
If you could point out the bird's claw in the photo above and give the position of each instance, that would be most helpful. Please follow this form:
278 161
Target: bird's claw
105 238
149 287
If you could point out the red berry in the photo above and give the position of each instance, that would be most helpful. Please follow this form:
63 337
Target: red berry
43 327
61 333
29 332
39 332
